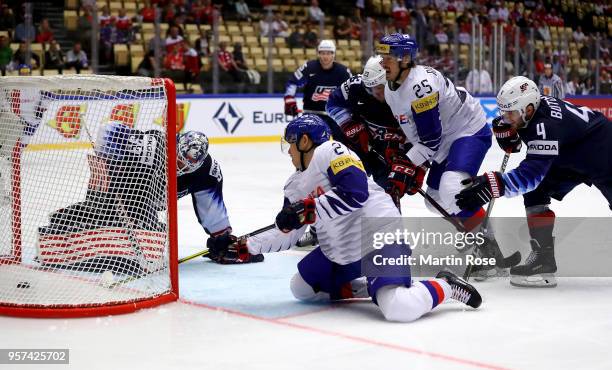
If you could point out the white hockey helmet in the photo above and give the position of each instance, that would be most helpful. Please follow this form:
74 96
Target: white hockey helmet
373 73
518 93
327 45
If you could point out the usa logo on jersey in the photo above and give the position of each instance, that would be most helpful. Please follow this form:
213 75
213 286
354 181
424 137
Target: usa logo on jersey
321 93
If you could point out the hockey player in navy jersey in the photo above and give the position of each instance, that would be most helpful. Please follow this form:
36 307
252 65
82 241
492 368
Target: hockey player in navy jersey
358 107
331 190
318 78
200 175
567 145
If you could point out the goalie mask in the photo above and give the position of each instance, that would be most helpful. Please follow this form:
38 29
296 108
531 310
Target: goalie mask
192 150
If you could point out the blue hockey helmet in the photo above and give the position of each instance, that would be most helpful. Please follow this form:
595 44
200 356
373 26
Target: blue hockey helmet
307 124
191 151
399 45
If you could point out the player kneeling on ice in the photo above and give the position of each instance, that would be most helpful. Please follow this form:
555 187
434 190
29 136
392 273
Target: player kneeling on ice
199 174
567 145
331 191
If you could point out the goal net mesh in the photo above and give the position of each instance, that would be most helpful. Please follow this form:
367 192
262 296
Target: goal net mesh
83 191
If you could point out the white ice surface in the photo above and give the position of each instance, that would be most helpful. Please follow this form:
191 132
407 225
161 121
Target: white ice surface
244 317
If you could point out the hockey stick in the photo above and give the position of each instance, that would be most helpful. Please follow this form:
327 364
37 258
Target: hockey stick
185 259
506 262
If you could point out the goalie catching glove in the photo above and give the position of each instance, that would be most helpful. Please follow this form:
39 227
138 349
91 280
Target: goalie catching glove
297 214
480 190
507 137
227 249
405 177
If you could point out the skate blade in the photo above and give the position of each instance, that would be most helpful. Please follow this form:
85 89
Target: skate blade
490 274
534 281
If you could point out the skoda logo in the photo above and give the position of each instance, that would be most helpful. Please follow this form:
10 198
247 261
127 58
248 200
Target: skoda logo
228 117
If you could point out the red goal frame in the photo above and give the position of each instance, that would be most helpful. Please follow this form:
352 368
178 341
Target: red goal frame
90 310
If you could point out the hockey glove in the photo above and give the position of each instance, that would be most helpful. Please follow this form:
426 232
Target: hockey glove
405 178
357 135
480 191
297 214
226 249
507 137
291 108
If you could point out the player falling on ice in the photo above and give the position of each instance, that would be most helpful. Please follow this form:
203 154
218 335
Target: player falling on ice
567 145
358 106
448 132
199 174
331 191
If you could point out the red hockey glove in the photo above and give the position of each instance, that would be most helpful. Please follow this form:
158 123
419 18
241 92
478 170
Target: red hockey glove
405 177
480 191
291 108
357 134
226 249
293 216
507 137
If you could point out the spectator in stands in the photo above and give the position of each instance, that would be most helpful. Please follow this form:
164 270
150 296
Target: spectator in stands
6 54
227 63
578 35
202 43
239 57
20 57
588 88
574 86
276 25
124 27
45 34
502 12
401 17
447 63
516 15
465 36
54 57
605 84
174 64
192 66
538 62
203 12
315 14
23 33
173 38
146 68
147 12
108 38
342 29
543 31
311 38
84 26
7 19
76 58
296 38
355 28
479 82
456 6
359 9
243 11
168 13
441 36
105 17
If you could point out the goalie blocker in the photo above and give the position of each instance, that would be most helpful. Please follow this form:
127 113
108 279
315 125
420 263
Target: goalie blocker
118 219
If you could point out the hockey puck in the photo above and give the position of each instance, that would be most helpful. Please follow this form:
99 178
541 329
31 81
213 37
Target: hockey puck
23 285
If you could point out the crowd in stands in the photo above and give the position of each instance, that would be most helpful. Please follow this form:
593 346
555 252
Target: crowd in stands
565 35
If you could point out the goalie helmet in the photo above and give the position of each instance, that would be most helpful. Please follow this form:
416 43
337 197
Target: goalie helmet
373 73
192 150
398 45
517 94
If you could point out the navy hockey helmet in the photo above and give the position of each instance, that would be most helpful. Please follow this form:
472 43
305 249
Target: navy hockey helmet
398 45
307 124
191 151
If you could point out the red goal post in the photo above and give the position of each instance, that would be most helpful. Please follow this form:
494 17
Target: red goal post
87 195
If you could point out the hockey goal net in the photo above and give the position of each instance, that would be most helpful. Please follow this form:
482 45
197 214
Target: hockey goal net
87 195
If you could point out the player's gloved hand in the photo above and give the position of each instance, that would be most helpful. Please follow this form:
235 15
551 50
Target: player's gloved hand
507 137
405 177
228 249
291 108
480 190
357 134
297 214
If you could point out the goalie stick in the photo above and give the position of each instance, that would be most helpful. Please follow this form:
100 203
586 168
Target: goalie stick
185 259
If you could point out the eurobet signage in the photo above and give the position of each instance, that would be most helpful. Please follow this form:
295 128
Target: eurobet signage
262 118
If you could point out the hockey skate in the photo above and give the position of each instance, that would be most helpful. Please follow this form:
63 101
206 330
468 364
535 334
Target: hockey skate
538 270
462 291
309 239
490 249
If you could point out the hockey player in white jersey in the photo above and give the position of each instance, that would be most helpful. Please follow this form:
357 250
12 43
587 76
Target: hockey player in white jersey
447 129
331 191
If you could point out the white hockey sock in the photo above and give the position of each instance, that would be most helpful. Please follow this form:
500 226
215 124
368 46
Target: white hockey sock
399 303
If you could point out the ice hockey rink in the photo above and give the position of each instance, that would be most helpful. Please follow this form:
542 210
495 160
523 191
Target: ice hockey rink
244 316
